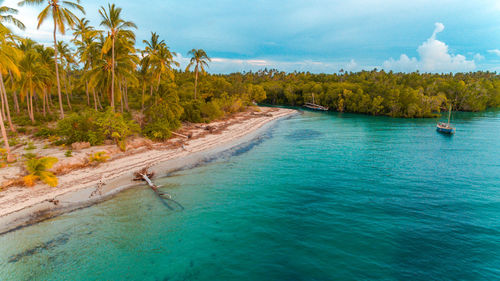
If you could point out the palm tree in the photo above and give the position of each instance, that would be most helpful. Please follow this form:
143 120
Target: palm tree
199 59
33 77
160 58
8 52
61 15
8 63
46 60
38 169
117 26
6 18
66 56
86 34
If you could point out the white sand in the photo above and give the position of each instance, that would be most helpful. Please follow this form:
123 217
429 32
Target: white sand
20 206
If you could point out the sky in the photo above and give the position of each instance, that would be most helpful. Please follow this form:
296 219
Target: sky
320 36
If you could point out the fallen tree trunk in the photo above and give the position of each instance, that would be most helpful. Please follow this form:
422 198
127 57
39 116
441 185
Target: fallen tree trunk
144 175
181 135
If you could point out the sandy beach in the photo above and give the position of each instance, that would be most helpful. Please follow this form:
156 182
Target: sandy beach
81 187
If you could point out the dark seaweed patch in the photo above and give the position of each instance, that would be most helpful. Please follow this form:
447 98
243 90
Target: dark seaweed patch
58 241
304 134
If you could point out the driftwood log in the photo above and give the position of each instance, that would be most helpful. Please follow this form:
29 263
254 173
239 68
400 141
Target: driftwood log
146 176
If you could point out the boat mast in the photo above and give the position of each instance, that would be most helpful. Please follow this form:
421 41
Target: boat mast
449 116
313 98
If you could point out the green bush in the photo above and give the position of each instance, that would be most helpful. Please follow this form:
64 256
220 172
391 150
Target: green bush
95 127
80 127
162 118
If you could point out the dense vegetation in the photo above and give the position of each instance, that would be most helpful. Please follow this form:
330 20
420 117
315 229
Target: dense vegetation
380 93
100 86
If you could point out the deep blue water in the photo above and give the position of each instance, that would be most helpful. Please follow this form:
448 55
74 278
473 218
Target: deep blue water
318 197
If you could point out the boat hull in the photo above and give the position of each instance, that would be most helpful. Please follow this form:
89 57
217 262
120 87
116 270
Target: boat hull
445 130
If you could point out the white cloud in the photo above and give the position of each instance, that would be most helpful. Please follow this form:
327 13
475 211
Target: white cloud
495 51
434 56
227 65
478 57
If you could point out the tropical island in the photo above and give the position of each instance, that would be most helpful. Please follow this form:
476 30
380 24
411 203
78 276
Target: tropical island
98 98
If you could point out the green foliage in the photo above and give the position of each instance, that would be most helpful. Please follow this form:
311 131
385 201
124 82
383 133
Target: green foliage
380 93
68 153
80 127
113 125
30 146
38 169
45 132
3 158
162 118
30 155
98 157
95 127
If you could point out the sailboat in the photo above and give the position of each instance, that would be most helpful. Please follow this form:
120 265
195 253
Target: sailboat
446 128
315 106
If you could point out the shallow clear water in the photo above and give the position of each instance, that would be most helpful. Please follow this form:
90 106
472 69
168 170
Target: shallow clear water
318 197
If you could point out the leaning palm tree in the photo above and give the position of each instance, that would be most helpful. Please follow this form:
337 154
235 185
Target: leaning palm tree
8 64
116 26
199 59
62 16
6 16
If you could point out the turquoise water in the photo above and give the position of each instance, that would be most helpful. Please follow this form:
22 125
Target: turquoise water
317 197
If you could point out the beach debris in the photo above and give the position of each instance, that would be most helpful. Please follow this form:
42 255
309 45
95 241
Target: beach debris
210 128
146 176
163 196
181 135
80 145
98 189
53 201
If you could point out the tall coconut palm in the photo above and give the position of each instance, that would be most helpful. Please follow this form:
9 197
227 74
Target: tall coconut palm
82 32
160 58
62 16
66 56
199 59
33 77
112 20
46 60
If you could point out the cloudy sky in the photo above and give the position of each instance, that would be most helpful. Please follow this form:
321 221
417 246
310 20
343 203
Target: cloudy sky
315 35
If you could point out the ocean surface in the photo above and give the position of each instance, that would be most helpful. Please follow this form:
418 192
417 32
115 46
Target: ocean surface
318 196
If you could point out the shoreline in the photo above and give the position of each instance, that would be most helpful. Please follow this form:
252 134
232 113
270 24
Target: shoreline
21 207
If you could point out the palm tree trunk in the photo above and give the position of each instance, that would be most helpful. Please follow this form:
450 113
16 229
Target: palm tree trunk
31 107
195 81
87 91
14 94
67 96
2 99
6 102
142 97
10 158
151 93
99 100
47 100
43 103
66 87
95 99
57 70
125 96
113 74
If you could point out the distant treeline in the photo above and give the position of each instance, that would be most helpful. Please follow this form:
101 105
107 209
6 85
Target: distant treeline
379 92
